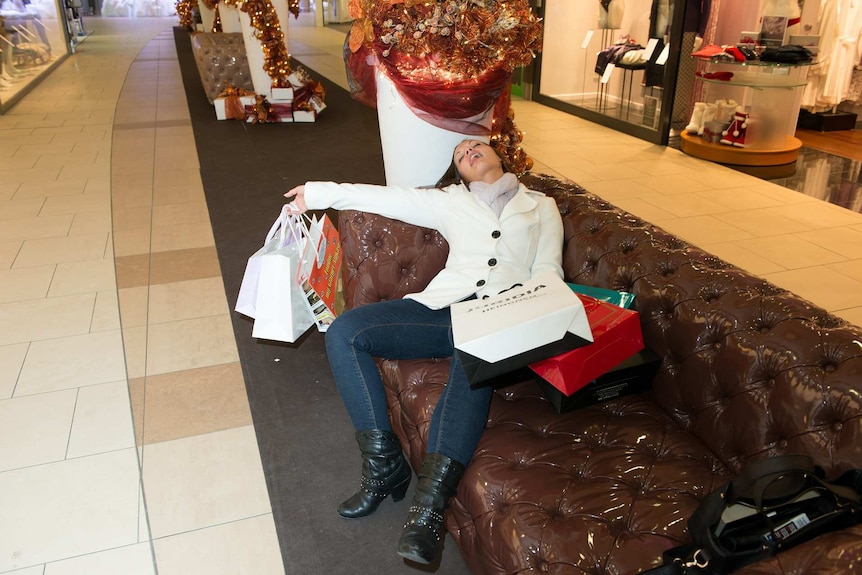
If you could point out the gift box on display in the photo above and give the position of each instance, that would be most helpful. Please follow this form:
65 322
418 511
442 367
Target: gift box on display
616 336
502 333
232 106
281 94
633 375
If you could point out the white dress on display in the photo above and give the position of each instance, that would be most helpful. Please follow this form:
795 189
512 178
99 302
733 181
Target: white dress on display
846 52
812 95
611 13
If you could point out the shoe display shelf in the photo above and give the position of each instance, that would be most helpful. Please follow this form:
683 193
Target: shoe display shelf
761 139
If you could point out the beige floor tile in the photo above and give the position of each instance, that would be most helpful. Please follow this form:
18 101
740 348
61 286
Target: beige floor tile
604 172
130 560
45 318
131 270
85 223
720 177
853 315
137 396
179 214
673 184
830 289
69 509
183 265
11 360
744 259
131 242
125 219
185 300
762 223
81 248
182 237
703 230
844 241
817 215
178 193
194 402
42 189
791 251
34 228
686 206
182 479
37 570
74 204
25 283
72 361
644 209
850 268
134 305
82 277
190 344
27 208
247 546
613 191
106 314
135 349
40 425
103 420
8 252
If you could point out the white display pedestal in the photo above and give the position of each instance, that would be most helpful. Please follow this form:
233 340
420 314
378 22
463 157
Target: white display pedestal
415 153
229 18
207 16
254 51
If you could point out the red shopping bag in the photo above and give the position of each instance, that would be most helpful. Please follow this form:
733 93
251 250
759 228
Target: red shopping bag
616 336
320 273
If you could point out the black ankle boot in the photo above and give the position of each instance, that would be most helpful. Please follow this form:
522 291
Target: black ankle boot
384 472
423 530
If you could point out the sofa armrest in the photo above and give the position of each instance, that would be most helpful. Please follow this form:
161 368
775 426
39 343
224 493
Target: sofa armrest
386 259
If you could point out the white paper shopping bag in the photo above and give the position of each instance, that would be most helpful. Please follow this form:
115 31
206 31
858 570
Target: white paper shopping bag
269 292
527 323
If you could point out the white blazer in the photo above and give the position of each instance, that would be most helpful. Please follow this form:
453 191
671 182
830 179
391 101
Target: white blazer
486 254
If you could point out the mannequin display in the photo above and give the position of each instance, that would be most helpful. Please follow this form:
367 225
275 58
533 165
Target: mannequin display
827 19
611 14
787 9
845 54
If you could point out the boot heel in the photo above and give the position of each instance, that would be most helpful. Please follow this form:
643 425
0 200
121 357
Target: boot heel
399 491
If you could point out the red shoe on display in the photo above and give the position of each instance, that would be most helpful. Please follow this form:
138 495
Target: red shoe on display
734 135
708 51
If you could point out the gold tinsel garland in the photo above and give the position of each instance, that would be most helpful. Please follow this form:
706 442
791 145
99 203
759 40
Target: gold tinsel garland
264 20
185 9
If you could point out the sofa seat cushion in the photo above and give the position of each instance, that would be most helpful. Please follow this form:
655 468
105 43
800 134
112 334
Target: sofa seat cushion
617 481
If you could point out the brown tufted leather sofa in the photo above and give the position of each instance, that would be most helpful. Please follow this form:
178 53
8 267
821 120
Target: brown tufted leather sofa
748 371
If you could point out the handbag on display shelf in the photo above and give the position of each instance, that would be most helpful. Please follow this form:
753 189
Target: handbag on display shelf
774 504
320 269
502 333
269 293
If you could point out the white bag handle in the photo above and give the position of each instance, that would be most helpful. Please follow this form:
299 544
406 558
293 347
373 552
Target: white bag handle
281 226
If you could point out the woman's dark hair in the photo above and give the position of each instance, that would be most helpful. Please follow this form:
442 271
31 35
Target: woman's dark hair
452 176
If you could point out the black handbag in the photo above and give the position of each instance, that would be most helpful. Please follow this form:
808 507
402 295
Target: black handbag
774 504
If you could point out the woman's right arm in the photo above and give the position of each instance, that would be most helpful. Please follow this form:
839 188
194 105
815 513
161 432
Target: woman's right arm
421 207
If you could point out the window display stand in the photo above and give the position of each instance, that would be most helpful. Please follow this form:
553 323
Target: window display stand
602 93
770 95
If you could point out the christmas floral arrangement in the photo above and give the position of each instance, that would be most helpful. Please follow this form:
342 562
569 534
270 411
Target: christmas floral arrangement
451 60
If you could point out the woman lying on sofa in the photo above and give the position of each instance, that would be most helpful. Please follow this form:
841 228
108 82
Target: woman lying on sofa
499 234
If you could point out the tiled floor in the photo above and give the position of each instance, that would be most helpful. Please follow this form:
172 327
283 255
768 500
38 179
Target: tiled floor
127 445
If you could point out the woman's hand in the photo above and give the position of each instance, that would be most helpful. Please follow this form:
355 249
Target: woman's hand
297 206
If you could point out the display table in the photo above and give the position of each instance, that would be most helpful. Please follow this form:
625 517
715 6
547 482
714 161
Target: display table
770 94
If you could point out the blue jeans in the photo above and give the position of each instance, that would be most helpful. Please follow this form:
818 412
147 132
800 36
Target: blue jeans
405 329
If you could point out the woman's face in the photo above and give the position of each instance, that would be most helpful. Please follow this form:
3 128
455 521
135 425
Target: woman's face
477 161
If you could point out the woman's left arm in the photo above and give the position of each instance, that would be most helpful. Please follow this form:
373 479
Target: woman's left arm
549 253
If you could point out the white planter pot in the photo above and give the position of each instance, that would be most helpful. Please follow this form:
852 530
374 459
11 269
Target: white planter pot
415 153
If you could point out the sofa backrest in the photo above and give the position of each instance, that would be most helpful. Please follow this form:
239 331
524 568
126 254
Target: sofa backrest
749 368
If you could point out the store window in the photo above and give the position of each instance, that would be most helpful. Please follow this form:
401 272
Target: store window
32 41
611 61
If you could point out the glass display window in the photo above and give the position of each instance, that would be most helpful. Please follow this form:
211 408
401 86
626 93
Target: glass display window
611 61
32 42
